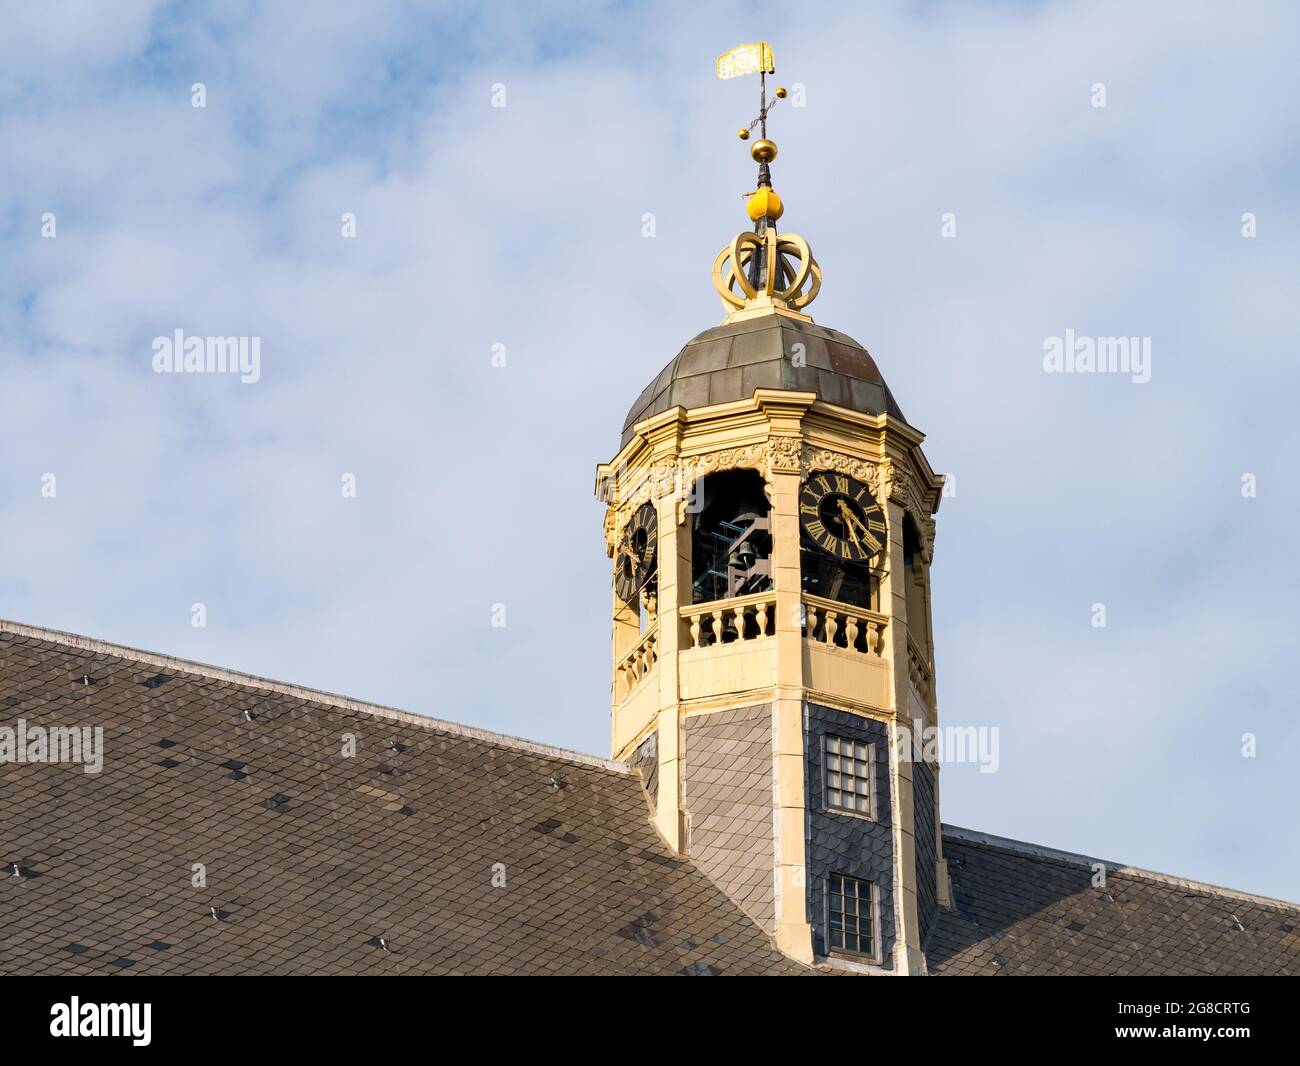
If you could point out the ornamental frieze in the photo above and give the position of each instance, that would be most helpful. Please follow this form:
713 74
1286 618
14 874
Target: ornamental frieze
785 453
747 457
677 478
611 517
824 459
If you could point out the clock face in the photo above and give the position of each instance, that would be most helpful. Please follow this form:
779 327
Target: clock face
840 516
634 562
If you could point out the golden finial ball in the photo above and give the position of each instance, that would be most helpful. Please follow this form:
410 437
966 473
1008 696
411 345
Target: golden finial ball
764 151
743 135
780 92
765 204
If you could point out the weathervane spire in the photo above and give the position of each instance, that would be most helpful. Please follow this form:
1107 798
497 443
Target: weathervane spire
758 262
755 59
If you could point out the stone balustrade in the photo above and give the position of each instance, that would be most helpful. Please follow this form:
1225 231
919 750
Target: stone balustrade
844 626
918 668
742 618
638 662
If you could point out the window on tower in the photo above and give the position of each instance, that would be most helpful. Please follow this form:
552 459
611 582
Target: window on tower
850 915
848 775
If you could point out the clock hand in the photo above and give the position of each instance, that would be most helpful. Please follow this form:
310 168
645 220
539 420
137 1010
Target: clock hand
848 513
850 519
872 542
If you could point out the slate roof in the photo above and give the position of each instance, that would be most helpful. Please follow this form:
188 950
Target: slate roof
1023 909
312 858
729 362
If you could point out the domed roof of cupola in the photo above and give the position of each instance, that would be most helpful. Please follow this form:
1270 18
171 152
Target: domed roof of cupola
766 280
730 361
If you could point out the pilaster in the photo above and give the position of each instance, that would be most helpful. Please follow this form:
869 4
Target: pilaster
893 597
674 592
794 934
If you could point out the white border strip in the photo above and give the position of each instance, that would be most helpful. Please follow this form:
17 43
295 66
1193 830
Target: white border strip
217 673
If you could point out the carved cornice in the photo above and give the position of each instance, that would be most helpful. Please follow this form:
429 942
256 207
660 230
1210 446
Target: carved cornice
826 459
748 457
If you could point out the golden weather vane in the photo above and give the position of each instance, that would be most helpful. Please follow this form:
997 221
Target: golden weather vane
760 271
756 59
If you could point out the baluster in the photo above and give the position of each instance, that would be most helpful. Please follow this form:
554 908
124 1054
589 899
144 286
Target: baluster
810 623
873 637
718 626
851 633
832 626
760 616
742 632
695 631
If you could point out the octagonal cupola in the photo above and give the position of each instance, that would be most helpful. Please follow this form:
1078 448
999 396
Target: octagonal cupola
769 517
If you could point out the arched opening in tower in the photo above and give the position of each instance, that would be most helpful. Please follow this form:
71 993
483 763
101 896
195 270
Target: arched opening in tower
915 584
731 537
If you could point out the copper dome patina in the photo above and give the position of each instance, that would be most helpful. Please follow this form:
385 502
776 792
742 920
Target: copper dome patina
730 361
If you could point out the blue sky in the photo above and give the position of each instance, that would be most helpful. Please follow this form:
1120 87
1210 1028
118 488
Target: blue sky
522 226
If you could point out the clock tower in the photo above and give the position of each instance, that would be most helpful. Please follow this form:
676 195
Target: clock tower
770 520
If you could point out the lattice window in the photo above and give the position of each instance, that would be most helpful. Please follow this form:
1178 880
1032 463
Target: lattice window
849 775
850 915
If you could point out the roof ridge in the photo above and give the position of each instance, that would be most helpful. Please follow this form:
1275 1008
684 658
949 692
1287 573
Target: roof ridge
1042 852
219 673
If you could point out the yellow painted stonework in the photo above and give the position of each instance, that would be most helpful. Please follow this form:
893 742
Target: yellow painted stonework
832 671
782 435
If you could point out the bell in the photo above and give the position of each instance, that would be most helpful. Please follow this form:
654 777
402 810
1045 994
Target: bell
744 556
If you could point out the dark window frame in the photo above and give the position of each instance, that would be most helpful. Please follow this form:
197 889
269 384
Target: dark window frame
873 916
871 814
